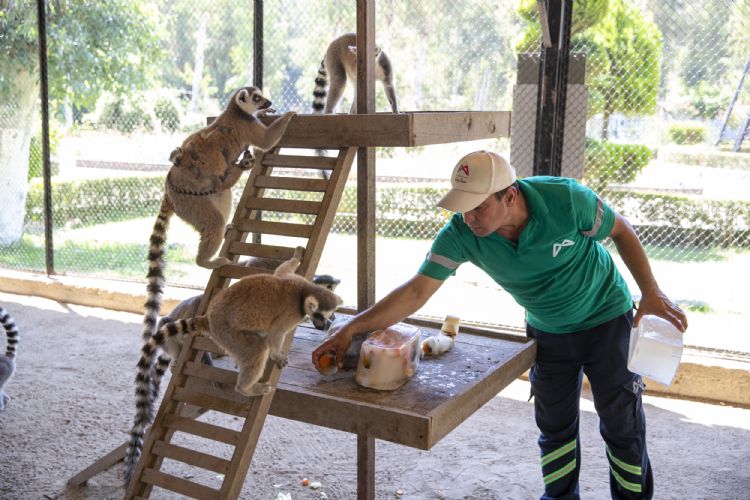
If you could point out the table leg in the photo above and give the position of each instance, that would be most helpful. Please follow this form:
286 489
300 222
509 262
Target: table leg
365 467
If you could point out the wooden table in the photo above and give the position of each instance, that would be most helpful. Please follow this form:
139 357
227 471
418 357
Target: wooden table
444 392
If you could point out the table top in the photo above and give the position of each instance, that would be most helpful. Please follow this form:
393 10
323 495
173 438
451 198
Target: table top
444 391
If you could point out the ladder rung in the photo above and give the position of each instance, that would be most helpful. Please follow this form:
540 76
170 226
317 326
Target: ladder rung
261 250
191 457
299 161
211 402
286 206
291 183
220 375
278 228
202 429
234 271
178 485
201 343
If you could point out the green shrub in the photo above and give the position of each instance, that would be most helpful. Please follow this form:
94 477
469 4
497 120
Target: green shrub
125 116
167 113
609 163
687 133
86 202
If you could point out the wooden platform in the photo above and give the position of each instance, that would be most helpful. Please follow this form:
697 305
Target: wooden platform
444 392
413 128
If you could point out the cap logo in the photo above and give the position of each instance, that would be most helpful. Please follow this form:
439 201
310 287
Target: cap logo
464 168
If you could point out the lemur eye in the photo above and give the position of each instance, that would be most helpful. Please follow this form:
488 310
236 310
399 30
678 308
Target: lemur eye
256 98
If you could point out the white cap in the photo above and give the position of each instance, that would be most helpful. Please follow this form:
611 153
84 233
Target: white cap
476 176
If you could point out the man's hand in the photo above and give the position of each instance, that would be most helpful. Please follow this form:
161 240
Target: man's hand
658 304
336 344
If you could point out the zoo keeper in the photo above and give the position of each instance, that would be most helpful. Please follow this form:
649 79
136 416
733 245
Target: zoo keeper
539 239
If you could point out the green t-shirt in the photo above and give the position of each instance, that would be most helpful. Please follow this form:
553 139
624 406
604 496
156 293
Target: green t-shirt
558 271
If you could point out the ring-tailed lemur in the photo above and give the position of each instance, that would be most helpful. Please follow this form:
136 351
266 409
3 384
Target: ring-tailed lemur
340 64
7 362
249 320
198 185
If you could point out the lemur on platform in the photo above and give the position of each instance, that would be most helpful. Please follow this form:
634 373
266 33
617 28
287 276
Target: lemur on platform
249 320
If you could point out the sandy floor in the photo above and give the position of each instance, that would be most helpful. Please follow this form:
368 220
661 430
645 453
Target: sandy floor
72 403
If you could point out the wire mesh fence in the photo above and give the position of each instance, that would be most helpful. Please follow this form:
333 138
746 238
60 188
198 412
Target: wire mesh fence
657 105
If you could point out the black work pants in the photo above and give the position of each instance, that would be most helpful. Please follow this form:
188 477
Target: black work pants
556 377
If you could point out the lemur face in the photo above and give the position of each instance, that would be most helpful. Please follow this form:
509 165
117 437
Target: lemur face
251 99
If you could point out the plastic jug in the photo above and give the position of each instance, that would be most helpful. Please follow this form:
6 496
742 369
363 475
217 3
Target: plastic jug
655 349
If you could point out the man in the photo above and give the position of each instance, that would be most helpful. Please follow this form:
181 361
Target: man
539 239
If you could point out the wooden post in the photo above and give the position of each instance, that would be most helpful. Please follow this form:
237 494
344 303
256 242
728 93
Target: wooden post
365 157
365 466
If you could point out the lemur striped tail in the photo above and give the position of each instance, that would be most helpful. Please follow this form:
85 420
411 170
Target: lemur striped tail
321 89
156 265
144 403
11 332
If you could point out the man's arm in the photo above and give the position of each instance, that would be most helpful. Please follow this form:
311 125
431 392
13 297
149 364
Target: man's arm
394 307
653 300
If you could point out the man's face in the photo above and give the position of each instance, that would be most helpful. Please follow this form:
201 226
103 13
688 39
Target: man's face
488 217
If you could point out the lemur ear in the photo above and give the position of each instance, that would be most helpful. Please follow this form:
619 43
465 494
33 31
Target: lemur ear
242 95
378 50
311 305
175 156
352 49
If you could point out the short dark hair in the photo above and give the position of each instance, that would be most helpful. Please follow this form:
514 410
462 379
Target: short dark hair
500 194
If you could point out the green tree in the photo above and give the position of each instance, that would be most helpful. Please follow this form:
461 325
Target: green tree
92 47
632 44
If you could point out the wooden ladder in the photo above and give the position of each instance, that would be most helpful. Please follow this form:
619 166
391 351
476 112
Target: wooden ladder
196 388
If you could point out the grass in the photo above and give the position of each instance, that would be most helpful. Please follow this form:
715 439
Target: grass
112 259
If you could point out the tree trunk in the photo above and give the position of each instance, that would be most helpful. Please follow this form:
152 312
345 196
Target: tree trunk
200 50
17 121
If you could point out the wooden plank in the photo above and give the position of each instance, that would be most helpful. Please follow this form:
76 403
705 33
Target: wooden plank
206 344
459 126
299 161
277 228
235 272
212 373
191 457
286 206
260 250
100 465
413 128
202 429
179 485
327 212
210 402
292 183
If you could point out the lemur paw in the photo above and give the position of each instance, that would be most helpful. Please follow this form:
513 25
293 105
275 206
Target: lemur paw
247 161
255 390
227 228
175 156
280 359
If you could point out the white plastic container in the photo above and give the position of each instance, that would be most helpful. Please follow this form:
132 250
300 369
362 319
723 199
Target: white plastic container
655 349
388 358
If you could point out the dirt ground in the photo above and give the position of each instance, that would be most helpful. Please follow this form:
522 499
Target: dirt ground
72 403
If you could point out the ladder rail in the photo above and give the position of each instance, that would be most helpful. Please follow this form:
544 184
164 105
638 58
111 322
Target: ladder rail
180 393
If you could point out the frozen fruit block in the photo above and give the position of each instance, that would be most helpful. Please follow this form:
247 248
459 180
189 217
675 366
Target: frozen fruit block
389 357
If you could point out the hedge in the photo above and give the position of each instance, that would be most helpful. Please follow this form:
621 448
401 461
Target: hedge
86 202
687 133
402 211
611 163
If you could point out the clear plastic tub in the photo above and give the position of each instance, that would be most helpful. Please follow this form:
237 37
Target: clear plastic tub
655 349
389 357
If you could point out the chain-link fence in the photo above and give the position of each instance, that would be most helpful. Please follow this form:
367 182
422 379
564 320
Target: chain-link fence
656 111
